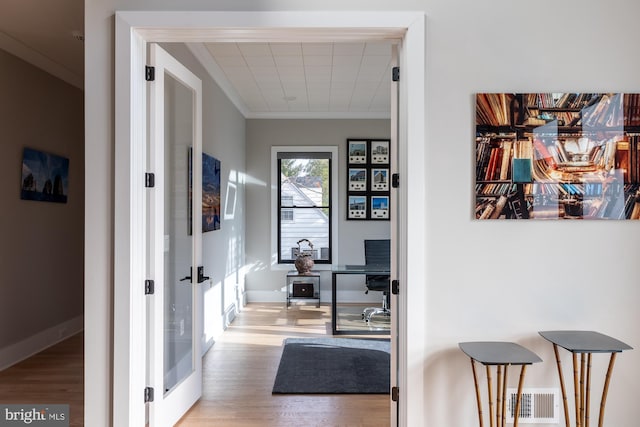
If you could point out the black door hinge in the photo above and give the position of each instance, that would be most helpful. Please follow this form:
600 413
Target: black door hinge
395 74
149 287
395 392
395 287
149 180
395 180
148 394
149 73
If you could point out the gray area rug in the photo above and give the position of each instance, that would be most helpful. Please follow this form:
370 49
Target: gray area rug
334 366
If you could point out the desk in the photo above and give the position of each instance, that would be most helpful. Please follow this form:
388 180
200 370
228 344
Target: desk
499 354
584 343
337 270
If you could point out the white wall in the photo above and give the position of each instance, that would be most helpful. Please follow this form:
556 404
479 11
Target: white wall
266 279
483 280
508 280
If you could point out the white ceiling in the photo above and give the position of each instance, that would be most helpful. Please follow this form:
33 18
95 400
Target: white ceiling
264 80
270 80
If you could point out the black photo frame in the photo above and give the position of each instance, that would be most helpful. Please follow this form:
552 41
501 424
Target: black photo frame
357 207
368 179
357 179
357 151
379 207
380 152
380 179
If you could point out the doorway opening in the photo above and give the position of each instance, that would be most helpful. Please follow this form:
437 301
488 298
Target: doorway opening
134 30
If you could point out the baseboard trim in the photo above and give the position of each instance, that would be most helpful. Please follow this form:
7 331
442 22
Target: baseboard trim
26 348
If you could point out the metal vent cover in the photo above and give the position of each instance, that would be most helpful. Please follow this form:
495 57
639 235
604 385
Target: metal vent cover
537 405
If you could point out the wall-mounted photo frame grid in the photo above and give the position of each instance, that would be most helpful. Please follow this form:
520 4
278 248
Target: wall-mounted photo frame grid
368 179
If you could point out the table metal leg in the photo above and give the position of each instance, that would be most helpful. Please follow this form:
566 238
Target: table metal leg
334 315
562 388
605 390
516 415
478 399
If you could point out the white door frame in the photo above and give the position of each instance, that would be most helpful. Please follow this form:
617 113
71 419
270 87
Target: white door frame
133 31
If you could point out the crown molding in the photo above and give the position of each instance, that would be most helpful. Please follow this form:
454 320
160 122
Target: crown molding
35 58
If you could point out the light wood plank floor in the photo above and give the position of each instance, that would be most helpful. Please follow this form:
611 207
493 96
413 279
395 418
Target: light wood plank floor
240 368
238 377
53 376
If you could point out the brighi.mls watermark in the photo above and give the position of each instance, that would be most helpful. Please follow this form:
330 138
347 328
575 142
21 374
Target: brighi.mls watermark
34 415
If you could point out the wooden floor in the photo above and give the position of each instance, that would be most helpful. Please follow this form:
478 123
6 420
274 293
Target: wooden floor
238 375
53 376
240 368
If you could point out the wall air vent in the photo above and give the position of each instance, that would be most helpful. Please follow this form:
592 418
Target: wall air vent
537 405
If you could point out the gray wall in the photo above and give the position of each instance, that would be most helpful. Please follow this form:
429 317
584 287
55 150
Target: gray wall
41 255
265 282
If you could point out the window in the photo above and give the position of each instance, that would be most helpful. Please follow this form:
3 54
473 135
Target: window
286 215
304 204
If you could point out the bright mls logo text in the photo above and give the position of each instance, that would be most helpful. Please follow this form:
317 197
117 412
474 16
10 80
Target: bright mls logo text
41 415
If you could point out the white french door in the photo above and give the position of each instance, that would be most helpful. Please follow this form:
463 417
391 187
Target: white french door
395 234
174 328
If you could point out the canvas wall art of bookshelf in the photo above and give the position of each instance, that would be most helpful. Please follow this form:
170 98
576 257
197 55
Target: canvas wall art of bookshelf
557 156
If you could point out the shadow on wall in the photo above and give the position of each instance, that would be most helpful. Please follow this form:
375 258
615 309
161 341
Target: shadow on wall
448 375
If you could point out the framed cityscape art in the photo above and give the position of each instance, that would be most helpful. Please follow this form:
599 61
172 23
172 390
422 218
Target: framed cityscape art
211 210
45 176
557 156
210 193
368 179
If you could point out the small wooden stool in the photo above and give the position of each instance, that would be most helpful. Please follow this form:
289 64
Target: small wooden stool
584 343
501 354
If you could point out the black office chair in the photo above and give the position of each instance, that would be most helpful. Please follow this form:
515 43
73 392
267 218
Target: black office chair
377 252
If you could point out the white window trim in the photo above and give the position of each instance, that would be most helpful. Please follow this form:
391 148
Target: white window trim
274 200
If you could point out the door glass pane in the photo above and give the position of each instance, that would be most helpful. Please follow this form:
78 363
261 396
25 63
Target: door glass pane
178 292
